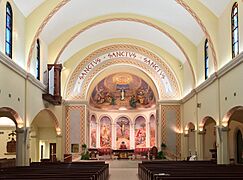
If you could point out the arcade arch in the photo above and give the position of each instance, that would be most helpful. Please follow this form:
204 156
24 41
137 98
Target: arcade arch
45 137
13 125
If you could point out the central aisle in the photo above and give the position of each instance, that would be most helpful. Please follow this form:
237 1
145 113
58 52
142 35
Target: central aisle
123 169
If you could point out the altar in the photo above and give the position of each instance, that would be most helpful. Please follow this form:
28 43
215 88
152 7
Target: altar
123 153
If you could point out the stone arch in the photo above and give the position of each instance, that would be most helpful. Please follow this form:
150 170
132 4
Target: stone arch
190 131
54 118
204 121
64 2
209 133
105 115
235 113
120 116
95 116
12 114
86 81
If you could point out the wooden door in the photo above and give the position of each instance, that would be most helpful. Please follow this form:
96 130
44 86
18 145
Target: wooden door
53 152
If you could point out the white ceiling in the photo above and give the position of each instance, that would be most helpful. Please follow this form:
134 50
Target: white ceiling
216 6
27 6
122 30
166 11
6 122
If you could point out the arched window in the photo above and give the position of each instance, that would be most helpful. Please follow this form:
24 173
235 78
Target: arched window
235 30
206 58
38 59
9 29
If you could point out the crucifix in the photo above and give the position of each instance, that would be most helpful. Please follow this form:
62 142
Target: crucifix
122 97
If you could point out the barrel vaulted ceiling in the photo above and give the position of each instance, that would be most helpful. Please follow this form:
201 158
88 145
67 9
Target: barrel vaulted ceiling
175 26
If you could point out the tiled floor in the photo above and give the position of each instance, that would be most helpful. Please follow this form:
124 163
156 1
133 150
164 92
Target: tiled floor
123 174
123 170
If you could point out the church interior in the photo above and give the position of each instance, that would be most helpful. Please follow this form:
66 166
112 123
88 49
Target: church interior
121 81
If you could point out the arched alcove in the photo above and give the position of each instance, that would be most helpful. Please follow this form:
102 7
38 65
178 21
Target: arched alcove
209 140
44 133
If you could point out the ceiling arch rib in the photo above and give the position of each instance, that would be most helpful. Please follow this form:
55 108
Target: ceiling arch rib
156 4
122 29
159 10
142 21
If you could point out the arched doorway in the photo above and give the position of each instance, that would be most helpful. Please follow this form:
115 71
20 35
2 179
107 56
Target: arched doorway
239 147
209 140
191 139
13 134
234 121
45 141
8 138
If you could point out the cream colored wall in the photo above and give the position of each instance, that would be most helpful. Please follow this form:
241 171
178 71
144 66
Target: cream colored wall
12 84
34 102
187 80
18 53
230 84
209 100
209 140
190 112
4 138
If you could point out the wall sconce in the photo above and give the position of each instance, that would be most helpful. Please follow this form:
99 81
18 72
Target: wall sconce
224 123
200 128
58 130
186 130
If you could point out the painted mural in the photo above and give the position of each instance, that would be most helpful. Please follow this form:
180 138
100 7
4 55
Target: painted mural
105 132
122 90
123 133
93 127
140 132
152 131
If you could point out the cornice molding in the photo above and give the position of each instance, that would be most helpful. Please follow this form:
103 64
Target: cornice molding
36 82
75 102
169 102
230 65
9 63
215 76
188 96
12 65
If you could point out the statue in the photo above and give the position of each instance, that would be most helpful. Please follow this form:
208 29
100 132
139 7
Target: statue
123 145
122 98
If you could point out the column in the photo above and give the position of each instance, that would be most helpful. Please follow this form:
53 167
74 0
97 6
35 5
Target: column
200 145
132 136
186 146
223 156
21 146
59 148
98 135
113 136
147 134
34 148
159 128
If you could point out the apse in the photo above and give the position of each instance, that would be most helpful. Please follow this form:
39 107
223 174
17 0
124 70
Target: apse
122 112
